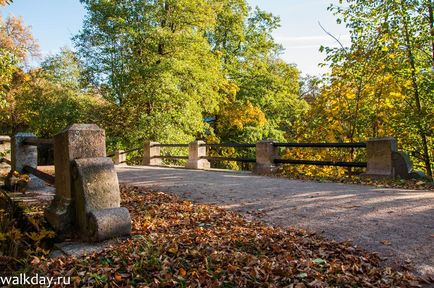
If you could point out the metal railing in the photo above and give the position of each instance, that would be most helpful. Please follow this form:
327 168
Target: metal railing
5 160
124 152
276 160
242 145
228 145
34 141
170 145
236 159
322 145
50 179
319 162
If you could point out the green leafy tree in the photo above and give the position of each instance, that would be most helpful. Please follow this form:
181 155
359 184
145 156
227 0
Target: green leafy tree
251 62
154 64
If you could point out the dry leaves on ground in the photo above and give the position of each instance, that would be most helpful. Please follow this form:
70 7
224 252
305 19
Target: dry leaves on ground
178 243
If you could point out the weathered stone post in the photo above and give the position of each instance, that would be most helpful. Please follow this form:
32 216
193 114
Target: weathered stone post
196 151
266 152
380 157
5 146
5 151
120 157
23 155
76 141
151 151
98 215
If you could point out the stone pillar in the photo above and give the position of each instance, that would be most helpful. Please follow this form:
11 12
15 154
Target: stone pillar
150 152
97 200
75 142
120 157
5 152
380 157
195 152
402 166
5 147
23 155
266 152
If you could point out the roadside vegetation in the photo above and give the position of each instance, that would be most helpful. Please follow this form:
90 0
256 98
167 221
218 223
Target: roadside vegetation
175 71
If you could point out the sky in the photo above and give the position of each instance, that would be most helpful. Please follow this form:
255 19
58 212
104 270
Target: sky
54 22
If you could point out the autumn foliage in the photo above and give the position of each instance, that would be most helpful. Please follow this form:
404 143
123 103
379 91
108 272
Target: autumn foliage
176 243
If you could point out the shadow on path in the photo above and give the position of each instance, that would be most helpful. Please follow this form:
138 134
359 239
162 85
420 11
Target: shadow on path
396 223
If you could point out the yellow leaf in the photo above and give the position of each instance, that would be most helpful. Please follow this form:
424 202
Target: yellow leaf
173 249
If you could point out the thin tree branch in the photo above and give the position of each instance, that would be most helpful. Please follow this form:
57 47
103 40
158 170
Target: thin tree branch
334 37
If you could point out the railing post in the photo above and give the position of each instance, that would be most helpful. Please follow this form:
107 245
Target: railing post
266 152
5 151
75 142
151 151
23 155
195 153
5 146
380 157
120 157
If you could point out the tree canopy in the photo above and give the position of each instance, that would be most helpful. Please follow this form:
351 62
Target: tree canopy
174 71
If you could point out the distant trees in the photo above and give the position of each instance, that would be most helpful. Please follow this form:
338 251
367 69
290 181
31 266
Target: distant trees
166 65
152 61
45 99
174 71
382 84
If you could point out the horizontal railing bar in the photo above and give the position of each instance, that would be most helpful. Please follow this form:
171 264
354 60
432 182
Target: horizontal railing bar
244 145
248 160
34 141
131 150
41 175
125 152
170 145
171 157
7 161
323 145
321 163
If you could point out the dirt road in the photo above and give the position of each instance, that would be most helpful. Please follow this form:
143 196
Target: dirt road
396 223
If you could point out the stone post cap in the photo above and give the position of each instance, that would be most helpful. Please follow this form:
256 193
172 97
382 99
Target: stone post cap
24 134
5 139
151 143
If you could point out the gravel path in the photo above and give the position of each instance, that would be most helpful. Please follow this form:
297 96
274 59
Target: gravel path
396 223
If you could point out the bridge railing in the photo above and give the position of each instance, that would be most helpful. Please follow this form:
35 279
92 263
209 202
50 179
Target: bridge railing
321 145
25 156
383 159
229 145
87 196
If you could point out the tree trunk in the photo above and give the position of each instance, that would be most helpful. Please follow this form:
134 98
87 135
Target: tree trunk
411 61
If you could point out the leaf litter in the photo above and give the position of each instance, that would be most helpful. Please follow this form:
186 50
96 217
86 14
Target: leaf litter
176 243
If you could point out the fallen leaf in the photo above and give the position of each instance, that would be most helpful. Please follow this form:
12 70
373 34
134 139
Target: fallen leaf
182 272
386 242
118 277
